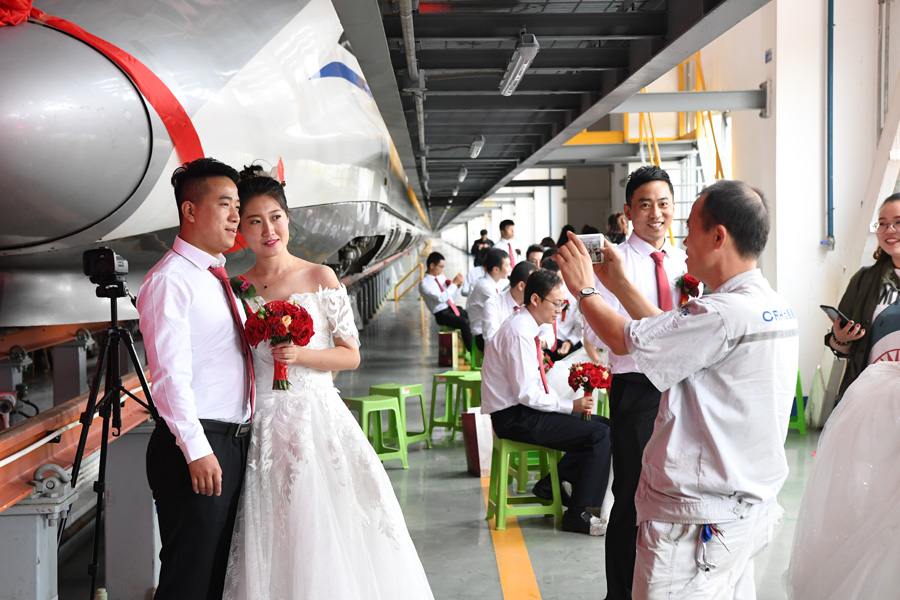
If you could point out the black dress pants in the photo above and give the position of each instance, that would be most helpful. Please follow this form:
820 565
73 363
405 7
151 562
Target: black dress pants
633 405
586 444
447 318
195 529
555 355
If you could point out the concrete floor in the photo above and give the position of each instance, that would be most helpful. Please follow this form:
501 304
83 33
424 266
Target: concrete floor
444 506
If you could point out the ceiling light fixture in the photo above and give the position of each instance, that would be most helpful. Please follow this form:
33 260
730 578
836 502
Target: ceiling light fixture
477 145
454 192
463 171
526 49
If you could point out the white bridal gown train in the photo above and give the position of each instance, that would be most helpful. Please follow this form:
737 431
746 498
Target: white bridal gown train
318 517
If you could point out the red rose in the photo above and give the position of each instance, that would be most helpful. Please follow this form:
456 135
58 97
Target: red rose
257 330
447 283
596 381
279 330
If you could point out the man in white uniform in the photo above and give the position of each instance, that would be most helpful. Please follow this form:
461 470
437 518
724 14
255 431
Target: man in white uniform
727 365
523 408
653 265
439 295
496 265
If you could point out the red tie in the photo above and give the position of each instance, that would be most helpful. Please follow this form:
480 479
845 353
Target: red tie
222 276
512 255
555 339
662 282
540 357
449 302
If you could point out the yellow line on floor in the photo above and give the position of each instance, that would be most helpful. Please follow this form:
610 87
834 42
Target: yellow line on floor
516 573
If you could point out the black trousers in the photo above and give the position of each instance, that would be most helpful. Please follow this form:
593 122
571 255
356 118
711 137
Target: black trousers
586 444
195 529
555 355
633 404
479 342
447 318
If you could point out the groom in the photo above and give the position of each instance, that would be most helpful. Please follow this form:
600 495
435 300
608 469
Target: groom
202 385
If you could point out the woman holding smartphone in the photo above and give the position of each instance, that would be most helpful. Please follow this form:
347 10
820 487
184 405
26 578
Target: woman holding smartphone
872 302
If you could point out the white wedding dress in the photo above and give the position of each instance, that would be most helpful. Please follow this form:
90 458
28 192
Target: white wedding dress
845 543
318 517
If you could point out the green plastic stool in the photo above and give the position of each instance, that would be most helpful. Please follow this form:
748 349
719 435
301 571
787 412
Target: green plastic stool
500 504
448 420
402 392
798 422
477 356
370 409
468 395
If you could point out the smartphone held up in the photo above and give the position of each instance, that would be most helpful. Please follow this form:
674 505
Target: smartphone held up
593 242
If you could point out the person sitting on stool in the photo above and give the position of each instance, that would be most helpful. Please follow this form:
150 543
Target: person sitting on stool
438 294
499 308
496 265
514 392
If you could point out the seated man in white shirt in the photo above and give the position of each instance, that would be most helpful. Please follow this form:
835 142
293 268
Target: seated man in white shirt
726 364
502 306
474 275
496 265
514 392
439 293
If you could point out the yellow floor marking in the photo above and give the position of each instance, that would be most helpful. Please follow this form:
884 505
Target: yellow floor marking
516 573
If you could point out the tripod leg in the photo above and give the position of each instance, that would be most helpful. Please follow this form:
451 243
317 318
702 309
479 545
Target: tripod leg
88 415
110 399
129 344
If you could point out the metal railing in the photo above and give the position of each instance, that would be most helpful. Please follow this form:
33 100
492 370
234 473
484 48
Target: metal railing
421 269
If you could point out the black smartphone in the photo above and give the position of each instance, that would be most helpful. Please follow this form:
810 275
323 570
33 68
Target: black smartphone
834 313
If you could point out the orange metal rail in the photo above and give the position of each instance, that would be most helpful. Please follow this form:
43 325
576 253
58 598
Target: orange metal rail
15 477
37 338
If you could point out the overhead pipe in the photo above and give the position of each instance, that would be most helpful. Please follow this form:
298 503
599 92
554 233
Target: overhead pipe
412 68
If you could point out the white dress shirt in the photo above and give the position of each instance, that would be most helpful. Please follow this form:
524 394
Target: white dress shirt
572 329
484 291
510 372
497 310
193 346
511 247
435 299
474 275
727 365
641 270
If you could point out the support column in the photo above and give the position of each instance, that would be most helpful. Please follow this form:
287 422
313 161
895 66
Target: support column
69 367
28 554
132 533
12 368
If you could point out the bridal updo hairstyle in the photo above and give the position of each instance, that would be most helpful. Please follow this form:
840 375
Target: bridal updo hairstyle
255 182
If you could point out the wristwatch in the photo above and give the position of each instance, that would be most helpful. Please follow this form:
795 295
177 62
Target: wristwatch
584 293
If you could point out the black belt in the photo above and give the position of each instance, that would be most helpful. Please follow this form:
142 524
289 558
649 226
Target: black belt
229 429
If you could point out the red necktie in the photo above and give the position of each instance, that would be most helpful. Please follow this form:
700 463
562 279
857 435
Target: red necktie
555 339
662 282
449 302
512 255
222 276
540 357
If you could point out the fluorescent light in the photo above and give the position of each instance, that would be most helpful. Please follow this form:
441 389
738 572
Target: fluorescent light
526 49
454 192
463 171
477 145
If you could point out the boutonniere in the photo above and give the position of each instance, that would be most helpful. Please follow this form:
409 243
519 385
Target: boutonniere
242 288
518 252
690 288
447 283
548 363
565 307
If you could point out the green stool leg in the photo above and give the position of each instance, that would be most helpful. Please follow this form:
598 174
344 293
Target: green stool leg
799 422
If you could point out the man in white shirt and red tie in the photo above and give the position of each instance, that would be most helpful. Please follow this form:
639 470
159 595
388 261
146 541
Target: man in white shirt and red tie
653 265
727 363
496 266
514 392
439 294
501 307
202 375
508 242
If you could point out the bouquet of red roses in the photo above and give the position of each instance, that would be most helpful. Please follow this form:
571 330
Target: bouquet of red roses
588 377
690 288
276 322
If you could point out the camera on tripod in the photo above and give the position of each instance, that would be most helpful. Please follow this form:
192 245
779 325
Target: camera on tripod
107 269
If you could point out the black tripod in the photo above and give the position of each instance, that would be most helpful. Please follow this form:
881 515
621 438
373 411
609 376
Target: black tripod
109 407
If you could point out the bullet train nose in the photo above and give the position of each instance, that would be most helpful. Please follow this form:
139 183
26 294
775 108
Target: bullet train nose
75 137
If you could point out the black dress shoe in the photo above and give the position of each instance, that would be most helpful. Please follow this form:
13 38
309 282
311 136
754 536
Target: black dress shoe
543 489
578 520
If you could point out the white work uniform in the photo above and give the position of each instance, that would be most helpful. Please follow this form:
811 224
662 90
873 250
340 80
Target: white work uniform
496 310
727 366
436 299
484 290
474 275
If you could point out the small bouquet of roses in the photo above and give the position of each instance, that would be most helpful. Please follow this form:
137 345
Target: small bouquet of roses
588 377
276 322
690 288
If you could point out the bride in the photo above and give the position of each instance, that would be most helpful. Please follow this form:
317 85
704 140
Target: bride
318 517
